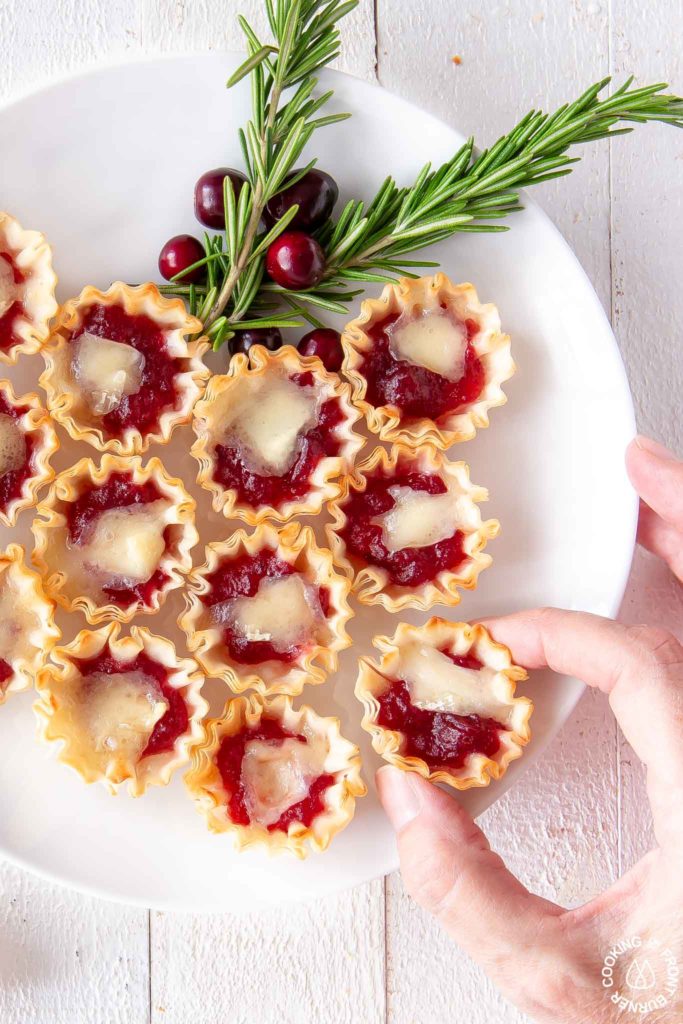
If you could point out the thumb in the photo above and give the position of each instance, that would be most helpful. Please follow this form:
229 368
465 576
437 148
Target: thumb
449 868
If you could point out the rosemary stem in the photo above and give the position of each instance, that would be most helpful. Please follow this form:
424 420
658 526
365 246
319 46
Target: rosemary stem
257 207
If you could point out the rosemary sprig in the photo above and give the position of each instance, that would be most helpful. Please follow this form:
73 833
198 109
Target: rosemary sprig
372 242
306 39
468 192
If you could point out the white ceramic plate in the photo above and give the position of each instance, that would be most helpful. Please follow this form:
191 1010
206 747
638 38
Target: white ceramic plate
105 164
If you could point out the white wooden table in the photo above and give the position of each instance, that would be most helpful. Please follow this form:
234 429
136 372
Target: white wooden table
579 815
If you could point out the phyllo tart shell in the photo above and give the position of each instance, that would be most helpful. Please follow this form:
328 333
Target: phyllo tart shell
337 759
27 443
165 532
27 627
239 393
84 407
414 298
311 593
135 725
373 583
27 290
478 688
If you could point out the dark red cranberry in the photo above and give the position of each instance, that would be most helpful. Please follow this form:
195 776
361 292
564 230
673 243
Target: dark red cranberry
209 208
295 261
180 252
315 195
324 343
269 337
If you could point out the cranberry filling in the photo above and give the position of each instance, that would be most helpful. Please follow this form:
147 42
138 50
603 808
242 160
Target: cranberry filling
12 482
415 390
229 762
241 577
318 443
6 673
408 567
173 723
118 492
16 310
440 738
157 389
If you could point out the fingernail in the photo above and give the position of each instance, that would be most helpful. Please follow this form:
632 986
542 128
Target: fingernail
647 444
400 798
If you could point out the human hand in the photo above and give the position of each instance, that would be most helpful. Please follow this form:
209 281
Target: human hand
546 959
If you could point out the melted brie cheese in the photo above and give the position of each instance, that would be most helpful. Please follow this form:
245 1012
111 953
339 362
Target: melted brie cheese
121 710
12 445
8 288
267 420
437 684
432 340
278 775
106 371
284 612
417 519
127 543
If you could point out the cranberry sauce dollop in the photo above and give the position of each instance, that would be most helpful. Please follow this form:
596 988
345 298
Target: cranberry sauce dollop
318 443
229 762
157 388
240 577
16 309
409 567
6 673
173 723
415 390
119 491
12 482
442 739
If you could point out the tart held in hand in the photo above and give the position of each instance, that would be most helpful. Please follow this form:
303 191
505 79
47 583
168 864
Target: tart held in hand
124 708
408 530
274 776
267 610
441 702
112 540
426 361
273 436
120 372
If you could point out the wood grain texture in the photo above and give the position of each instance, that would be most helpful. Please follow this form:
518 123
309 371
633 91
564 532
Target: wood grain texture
581 809
69 959
323 962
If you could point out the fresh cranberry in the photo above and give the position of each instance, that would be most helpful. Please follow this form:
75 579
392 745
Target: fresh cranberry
441 738
181 252
269 337
209 208
315 195
324 343
295 261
